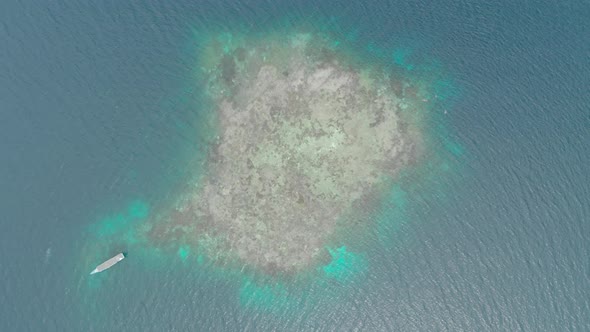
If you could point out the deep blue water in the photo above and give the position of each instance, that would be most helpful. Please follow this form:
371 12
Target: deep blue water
96 109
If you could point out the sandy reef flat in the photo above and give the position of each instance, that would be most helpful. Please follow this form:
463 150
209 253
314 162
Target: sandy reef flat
305 140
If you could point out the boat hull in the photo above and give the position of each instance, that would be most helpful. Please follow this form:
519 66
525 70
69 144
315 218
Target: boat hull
108 263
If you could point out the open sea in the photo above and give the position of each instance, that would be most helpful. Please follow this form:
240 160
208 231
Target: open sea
99 117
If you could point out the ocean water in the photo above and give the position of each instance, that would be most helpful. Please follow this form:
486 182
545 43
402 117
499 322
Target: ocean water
100 112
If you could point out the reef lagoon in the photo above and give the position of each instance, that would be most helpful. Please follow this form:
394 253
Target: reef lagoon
295 166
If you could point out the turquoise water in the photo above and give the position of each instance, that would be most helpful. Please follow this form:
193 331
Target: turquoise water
104 122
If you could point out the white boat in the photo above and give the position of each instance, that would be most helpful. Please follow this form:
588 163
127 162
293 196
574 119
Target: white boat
108 263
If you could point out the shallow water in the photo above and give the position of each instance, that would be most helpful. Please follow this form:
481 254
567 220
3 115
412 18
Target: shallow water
100 115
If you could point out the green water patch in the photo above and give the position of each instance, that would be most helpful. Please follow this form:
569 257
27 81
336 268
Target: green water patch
344 264
401 57
183 252
122 223
138 209
290 296
192 256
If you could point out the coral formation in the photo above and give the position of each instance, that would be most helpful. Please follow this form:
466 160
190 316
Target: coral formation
303 138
